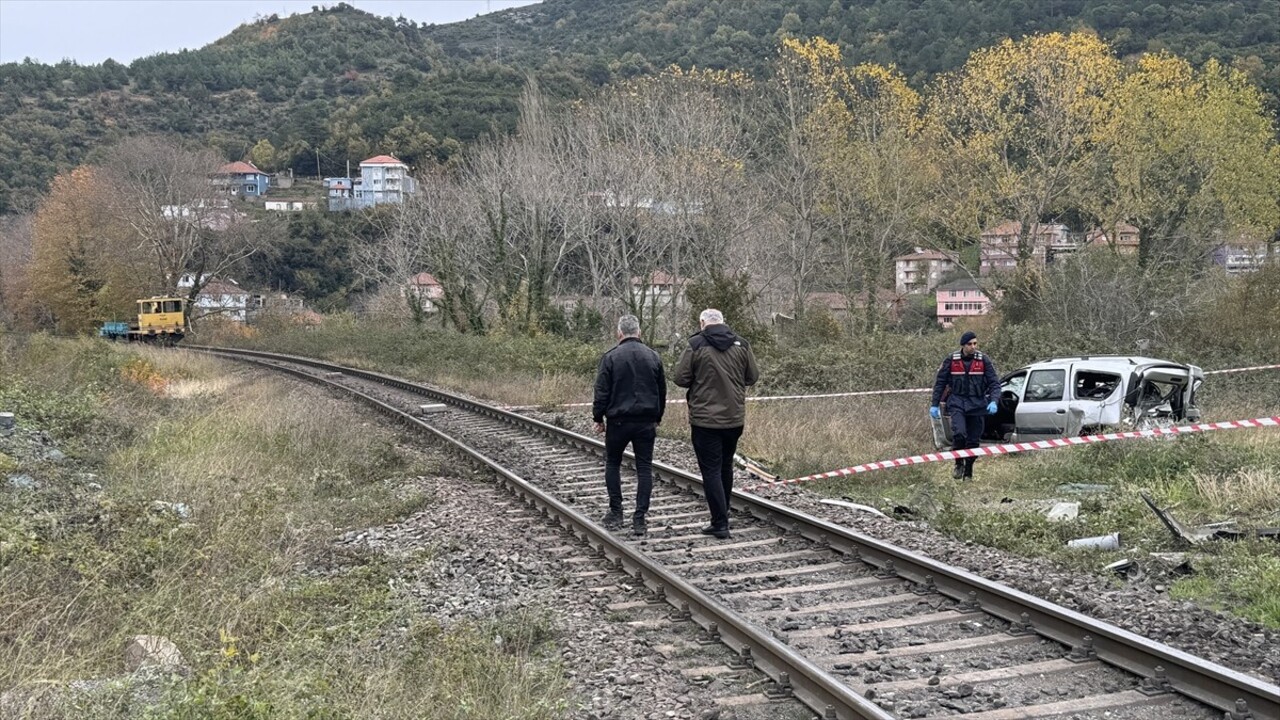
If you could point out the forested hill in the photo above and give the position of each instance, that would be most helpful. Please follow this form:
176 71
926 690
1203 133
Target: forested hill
312 91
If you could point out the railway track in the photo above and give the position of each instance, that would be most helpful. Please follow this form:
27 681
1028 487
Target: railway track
848 625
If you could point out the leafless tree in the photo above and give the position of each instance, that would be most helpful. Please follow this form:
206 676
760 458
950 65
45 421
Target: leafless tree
668 157
180 218
1097 293
528 188
791 177
16 243
438 230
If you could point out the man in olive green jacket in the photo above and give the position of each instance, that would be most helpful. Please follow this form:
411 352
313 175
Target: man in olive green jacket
716 368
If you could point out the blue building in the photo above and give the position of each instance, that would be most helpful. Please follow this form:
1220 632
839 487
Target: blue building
241 179
383 179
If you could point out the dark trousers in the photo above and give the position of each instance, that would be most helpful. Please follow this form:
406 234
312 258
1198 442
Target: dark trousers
617 433
966 431
715 448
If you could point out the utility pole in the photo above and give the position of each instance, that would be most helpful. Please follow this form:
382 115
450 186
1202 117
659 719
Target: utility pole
317 163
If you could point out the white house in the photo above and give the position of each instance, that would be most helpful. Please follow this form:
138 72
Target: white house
920 271
288 205
383 179
426 289
658 289
223 298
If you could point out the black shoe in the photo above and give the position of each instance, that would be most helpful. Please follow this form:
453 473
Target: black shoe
612 520
968 476
722 533
638 526
958 472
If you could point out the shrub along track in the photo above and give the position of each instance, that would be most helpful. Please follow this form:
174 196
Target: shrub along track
851 626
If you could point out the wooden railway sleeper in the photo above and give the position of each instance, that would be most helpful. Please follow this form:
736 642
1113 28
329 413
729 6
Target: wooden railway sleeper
1217 686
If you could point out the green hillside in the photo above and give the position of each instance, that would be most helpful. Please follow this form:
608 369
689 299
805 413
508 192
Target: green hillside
338 84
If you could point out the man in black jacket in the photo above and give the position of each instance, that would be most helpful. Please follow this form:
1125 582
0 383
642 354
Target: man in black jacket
717 367
631 393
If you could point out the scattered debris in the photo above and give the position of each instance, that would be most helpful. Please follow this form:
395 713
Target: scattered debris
1084 489
182 510
1177 563
854 506
1125 568
23 482
430 408
1226 530
1097 542
151 651
1063 511
754 468
6 424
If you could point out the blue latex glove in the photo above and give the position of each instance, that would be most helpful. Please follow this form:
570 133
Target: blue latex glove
934 412
991 408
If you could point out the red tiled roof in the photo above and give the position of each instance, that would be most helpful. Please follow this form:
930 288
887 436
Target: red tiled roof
925 255
239 167
657 278
218 287
381 160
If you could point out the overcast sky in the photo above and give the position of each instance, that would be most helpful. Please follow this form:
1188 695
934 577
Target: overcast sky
90 31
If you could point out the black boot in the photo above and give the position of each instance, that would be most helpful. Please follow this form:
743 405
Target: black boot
958 471
612 520
638 526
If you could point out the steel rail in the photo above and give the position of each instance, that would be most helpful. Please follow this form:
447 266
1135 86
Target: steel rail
793 674
1164 668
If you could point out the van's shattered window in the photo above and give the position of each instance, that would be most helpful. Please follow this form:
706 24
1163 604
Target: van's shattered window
1091 385
1014 384
1045 385
1156 393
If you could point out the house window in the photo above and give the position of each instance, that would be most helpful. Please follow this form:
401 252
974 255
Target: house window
249 188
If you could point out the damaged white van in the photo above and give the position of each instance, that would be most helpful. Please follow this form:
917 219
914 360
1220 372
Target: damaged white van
1071 396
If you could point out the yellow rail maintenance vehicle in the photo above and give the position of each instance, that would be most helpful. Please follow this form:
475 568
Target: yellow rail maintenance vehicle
160 320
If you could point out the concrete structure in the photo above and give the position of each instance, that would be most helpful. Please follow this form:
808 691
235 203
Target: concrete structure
222 298
920 271
1124 243
659 290
241 179
426 289
1052 241
1239 259
959 299
289 205
383 179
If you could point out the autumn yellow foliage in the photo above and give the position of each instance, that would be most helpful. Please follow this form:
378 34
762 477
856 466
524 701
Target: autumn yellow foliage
83 270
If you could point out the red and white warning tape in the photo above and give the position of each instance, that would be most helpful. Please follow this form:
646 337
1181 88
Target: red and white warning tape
1241 369
1024 447
763 398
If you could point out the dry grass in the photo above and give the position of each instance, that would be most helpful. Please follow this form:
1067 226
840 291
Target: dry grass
221 496
807 436
1226 474
548 390
1244 491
